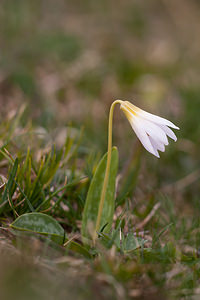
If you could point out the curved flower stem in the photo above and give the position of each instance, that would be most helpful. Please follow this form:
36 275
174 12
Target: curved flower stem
106 178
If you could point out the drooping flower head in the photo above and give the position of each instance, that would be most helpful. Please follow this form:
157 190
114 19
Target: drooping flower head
151 130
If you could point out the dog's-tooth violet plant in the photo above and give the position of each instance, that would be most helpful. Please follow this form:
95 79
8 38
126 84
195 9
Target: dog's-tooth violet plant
153 132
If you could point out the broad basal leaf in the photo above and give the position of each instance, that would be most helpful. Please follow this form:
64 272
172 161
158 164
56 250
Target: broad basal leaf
93 197
42 224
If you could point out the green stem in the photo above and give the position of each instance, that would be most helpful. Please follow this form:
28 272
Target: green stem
106 178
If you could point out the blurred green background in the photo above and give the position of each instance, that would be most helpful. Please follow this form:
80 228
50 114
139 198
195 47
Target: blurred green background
68 60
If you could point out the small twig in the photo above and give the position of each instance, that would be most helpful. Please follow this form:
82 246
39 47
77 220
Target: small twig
74 237
19 203
46 210
4 228
149 216
2 185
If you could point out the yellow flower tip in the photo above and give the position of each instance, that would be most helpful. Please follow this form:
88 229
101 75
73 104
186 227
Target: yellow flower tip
132 109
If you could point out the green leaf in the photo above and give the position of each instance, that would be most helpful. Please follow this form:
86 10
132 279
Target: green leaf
77 248
132 243
94 193
41 224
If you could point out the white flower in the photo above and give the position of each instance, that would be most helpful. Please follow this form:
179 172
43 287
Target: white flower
151 130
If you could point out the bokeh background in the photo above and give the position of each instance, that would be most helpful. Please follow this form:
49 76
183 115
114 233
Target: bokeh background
68 60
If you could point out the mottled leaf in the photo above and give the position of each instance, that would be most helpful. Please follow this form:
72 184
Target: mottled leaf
40 223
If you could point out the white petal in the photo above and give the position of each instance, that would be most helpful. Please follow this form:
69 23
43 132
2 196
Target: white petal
157 145
149 116
169 132
158 120
155 131
151 130
142 136
156 151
